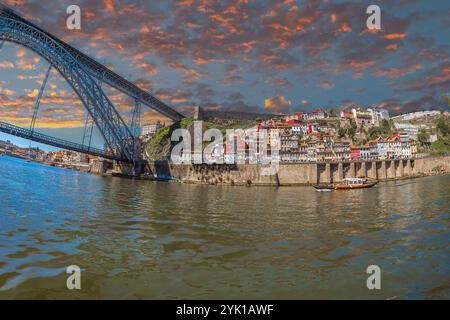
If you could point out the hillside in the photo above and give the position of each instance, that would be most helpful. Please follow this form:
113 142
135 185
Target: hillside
160 146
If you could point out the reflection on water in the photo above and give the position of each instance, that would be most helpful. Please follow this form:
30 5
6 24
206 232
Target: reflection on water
140 239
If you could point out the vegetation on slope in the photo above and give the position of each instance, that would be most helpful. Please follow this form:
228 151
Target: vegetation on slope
442 145
160 146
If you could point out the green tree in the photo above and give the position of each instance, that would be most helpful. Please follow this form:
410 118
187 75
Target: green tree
423 137
332 112
351 131
386 126
441 147
442 126
375 132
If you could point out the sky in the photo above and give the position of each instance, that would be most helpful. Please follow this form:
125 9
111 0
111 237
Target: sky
264 56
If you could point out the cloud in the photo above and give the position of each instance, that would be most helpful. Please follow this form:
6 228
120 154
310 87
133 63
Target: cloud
254 46
21 53
278 82
109 4
326 84
147 69
397 72
6 65
277 104
33 94
392 36
190 73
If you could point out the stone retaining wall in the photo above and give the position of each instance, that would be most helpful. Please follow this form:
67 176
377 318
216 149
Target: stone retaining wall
302 173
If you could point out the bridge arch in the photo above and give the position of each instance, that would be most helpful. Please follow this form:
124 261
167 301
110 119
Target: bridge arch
114 130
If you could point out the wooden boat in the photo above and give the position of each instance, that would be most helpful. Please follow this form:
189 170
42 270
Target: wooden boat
323 187
354 183
348 183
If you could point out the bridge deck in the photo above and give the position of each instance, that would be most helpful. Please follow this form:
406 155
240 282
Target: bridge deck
52 141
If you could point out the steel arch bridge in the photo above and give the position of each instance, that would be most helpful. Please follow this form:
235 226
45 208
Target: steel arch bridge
83 74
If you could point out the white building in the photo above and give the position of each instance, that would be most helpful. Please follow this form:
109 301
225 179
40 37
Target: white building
151 129
381 114
419 114
314 115
362 116
411 129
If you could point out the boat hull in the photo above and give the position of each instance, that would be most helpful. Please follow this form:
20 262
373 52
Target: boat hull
354 186
340 186
324 186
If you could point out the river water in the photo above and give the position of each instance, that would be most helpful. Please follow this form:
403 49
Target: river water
156 240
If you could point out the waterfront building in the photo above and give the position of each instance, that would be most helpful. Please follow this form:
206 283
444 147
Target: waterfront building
326 150
373 149
273 134
395 147
318 140
341 150
311 152
303 152
289 142
365 152
355 153
322 150
382 148
360 152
